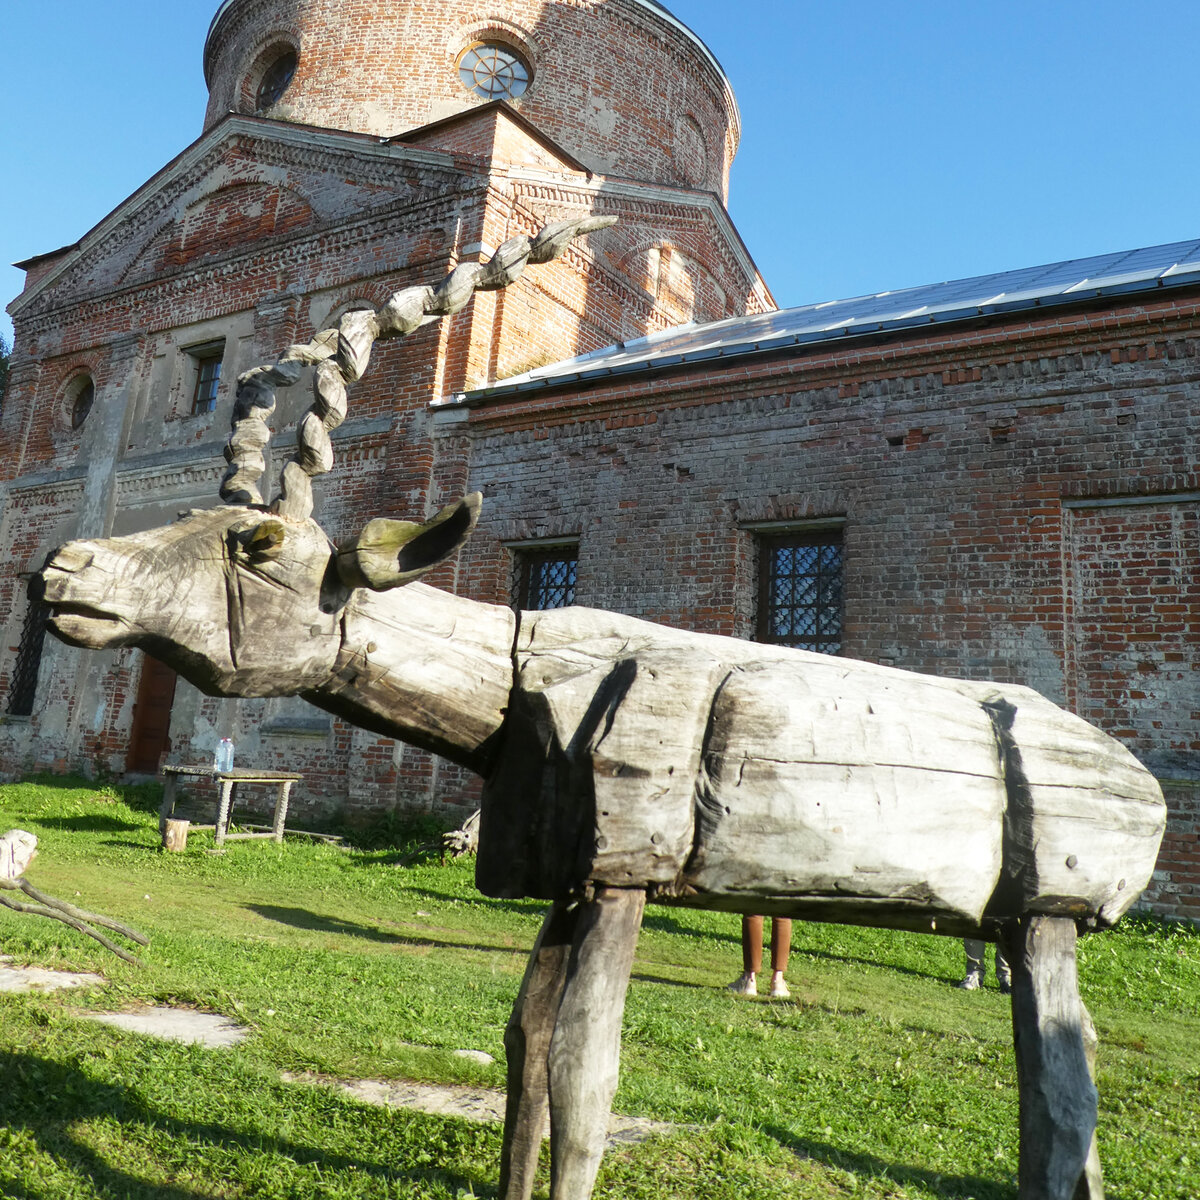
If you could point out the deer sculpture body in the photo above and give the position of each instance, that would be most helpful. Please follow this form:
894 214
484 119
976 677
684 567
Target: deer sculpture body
624 761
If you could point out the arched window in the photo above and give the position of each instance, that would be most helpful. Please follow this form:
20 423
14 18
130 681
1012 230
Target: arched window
80 396
276 80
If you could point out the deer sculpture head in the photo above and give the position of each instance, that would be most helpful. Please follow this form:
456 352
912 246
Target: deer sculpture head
241 601
247 599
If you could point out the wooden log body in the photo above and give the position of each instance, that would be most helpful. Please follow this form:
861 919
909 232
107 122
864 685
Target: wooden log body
422 665
733 775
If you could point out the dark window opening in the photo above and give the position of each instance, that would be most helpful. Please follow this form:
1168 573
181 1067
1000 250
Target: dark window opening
23 686
545 578
81 403
800 591
208 379
276 80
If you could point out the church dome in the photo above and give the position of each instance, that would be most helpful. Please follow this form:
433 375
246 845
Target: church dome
622 85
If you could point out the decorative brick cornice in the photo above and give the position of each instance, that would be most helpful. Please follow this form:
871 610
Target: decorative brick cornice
299 252
185 479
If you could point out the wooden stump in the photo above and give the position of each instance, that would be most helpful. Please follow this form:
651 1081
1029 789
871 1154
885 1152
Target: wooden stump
175 835
1058 1101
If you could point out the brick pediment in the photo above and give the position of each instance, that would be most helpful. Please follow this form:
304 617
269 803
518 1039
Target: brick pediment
246 181
231 217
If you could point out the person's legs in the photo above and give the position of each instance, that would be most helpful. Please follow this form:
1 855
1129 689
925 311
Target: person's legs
1003 972
752 937
781 945
973 978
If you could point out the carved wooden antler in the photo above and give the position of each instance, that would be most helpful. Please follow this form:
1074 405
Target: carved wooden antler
17 850
340 356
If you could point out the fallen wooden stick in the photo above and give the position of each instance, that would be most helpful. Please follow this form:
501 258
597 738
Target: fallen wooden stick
17 850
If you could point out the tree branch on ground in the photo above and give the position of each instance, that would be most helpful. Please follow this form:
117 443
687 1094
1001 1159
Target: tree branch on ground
17 850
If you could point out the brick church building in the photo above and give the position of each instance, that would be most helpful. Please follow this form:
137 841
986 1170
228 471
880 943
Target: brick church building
992 478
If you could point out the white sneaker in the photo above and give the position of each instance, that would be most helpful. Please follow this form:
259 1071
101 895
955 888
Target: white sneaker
744 985
779 989
970 983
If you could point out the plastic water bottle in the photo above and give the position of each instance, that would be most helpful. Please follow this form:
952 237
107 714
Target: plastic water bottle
223 758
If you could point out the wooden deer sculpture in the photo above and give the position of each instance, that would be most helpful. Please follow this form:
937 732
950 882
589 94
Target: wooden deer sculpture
624 761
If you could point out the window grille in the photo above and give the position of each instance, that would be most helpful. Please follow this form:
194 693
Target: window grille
208 379
23 685
800 591
545 578
494 71
276 80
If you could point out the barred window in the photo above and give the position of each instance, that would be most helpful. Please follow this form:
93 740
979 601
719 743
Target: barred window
800 591
545 578
206 362
23 685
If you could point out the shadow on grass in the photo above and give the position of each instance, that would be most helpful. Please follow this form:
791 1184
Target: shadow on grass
92 823
867 1166
302 918
526 908
49 1100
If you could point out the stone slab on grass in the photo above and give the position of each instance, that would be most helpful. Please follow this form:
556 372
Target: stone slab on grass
177 1025
469 1103
38 979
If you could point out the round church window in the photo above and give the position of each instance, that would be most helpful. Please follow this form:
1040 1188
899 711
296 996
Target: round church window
494 71
276 79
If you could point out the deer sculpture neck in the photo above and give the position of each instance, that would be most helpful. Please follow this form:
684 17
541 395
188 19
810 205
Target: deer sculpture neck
430 668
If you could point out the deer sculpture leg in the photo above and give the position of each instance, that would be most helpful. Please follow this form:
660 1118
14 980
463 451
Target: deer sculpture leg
527 1048
585 1050
563 1043
1058 1102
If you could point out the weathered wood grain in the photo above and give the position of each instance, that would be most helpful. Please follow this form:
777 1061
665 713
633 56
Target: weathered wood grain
585 1051
1058 1099
443 662
175 835
622 759
527 1052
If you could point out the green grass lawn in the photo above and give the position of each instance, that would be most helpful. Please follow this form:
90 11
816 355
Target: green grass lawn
878 1078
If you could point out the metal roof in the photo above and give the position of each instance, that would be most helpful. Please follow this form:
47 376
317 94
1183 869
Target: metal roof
1128 271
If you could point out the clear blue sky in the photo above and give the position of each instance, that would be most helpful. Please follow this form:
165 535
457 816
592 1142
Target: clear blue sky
885 143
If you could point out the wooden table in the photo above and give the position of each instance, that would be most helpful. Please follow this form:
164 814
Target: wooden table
229 780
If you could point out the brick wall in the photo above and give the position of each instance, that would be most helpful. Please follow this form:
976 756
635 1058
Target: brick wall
621 87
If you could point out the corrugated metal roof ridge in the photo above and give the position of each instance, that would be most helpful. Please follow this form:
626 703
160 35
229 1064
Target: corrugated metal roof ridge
975 296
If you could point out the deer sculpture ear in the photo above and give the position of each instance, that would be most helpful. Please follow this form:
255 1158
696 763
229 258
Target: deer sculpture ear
389 554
